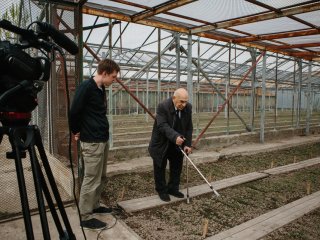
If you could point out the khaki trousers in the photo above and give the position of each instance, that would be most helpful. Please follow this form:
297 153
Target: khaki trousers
95 169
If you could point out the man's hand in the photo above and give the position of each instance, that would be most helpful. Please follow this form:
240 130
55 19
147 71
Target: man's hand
77 136
179 140
187 150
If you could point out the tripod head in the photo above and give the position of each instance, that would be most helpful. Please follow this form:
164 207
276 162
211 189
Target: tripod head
11 120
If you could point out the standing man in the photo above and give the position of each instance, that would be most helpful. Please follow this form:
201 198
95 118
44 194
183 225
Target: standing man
172 129
89 124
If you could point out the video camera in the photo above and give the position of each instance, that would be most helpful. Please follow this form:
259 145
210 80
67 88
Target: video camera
23 76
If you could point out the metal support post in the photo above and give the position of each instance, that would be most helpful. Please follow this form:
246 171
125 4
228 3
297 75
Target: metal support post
308 100
263 99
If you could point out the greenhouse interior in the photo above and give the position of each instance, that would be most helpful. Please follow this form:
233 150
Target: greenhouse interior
251 71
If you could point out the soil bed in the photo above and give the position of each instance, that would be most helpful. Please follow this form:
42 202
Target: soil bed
237 204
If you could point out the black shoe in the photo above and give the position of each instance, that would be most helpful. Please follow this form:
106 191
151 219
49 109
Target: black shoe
93 224
102 210
176 194
164 197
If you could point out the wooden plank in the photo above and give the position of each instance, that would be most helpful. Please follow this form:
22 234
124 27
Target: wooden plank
139 204
267 216
252 227
293 166
280 219
225 183
266 223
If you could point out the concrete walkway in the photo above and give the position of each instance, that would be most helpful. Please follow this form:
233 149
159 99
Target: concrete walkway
15 230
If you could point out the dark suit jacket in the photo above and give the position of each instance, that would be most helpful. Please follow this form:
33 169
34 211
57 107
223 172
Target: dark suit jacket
163 133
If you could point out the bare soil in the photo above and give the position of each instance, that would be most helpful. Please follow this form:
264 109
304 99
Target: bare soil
237 204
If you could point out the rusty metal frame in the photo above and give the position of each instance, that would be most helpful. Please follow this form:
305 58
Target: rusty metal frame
146 17
227 100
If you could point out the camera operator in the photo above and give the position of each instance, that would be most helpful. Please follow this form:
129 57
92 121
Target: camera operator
172 128
89 124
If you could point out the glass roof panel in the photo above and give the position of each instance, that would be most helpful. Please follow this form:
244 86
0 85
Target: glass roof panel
181 20
311 17
97 35
271 26
282 3
271 42
210 11
148 3
303 39
317 49
232 32
218 10
136 34
118 5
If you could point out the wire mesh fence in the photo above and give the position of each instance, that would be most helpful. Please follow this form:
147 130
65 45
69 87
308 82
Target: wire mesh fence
51 113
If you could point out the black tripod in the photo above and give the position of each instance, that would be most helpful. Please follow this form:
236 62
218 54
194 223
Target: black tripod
24 138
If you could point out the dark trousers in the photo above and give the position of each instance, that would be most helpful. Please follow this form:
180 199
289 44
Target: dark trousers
175 167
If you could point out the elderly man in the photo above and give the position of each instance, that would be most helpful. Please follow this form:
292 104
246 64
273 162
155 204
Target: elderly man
172 129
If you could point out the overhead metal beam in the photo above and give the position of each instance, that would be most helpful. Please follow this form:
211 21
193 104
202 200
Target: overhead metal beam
99 25
301 45
81 2
89 8
97 10
92 9
162 8
65 2
133 4
304 54
276 10
168 13
258 18
277 36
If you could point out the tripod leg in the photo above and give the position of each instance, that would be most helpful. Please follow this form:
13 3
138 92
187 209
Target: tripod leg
50 203
43 156
38 184
14 138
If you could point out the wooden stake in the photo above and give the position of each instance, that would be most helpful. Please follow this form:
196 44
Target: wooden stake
210 178
310 155
272 164
294 159
308 187
284 198
121 195
205 227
